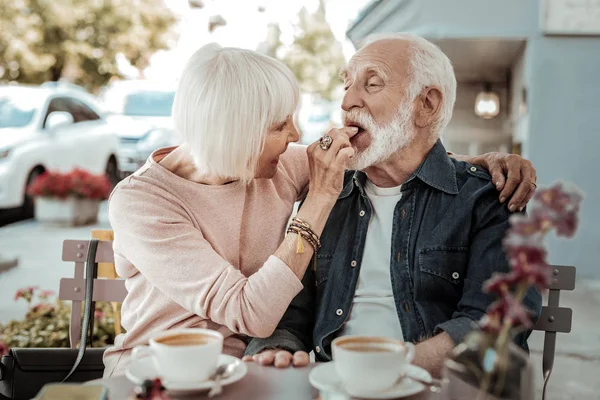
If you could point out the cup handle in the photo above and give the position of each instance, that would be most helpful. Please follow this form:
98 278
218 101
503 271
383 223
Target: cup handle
140 352
410 352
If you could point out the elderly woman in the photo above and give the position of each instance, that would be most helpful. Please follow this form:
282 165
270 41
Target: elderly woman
200 229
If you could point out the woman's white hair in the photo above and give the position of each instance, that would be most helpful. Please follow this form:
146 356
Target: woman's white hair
429 66
226 100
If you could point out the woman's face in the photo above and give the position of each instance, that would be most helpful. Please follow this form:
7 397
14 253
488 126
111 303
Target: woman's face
276 143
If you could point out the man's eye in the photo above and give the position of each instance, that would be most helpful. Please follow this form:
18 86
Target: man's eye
282 126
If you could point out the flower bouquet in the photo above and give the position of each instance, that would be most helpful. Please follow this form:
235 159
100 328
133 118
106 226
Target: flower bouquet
488 359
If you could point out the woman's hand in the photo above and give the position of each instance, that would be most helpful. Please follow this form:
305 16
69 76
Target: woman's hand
327 166
280 358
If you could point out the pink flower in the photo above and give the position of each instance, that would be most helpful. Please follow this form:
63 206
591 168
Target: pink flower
500 283
491 323
25 293
508 308
559 205
524 225
19 294
4 349
46 293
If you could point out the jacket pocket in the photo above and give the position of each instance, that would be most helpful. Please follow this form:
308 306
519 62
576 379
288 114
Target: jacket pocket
441 273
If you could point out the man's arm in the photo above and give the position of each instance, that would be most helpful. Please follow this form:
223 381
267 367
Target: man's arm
486 256
294 331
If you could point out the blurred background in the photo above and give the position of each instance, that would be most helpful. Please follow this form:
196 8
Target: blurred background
89 84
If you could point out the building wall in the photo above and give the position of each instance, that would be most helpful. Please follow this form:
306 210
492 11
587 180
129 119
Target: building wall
564 134
450 19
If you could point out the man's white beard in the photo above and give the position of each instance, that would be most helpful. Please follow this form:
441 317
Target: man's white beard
385 140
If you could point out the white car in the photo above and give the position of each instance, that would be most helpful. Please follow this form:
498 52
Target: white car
141 115
50 127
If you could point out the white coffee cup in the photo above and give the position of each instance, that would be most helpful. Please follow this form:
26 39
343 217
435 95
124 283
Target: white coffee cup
183 355
368 364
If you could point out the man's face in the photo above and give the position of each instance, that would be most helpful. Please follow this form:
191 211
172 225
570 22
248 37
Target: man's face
376 101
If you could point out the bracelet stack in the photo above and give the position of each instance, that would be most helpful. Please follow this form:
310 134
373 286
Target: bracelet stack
304 231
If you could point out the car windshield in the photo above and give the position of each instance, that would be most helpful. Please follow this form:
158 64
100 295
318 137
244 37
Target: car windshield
15 112
149 104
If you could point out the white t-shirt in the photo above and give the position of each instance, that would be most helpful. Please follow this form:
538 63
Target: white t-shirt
373 310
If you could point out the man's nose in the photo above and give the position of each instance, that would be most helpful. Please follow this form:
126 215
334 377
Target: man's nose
352 99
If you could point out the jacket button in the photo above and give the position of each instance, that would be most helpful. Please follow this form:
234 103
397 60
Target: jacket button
473 169
353 263
455 275
318 349
361 213
339 311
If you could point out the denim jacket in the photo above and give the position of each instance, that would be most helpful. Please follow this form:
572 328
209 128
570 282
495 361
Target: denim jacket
446 241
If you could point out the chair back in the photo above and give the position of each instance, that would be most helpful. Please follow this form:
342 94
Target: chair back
554 318
73 289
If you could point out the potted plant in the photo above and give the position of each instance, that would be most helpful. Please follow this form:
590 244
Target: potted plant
488 365
71 198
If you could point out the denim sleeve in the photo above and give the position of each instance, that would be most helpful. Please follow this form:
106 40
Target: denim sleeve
294 332
486 256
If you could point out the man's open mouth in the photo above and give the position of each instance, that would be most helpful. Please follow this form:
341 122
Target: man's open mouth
356 124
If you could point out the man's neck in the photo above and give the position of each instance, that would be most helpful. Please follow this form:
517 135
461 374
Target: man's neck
400 166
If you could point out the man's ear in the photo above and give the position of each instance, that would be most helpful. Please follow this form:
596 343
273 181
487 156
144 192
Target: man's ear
428 106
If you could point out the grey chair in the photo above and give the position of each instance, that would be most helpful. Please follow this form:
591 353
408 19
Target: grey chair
73 289
555 319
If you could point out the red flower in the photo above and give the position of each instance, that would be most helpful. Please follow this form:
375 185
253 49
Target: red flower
491 323
4 349
77 183
500 283
559 205
46 293
25 293
508 308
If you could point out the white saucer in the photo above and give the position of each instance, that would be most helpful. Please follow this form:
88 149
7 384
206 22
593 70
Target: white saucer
324 377
142 369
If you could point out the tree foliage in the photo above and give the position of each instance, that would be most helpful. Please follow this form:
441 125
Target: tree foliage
45 40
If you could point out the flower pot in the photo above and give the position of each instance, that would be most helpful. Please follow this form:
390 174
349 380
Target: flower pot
464 368
71 211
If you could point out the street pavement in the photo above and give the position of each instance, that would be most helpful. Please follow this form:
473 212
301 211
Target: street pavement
577 363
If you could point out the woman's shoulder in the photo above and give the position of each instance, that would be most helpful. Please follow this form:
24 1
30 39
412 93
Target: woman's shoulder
142 189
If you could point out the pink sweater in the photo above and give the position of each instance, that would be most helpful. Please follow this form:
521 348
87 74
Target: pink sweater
197 255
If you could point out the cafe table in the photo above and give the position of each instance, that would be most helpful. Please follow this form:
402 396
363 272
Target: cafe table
260 383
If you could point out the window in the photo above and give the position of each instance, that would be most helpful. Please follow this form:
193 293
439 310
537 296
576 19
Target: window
57 104
81 112
149 104
76 108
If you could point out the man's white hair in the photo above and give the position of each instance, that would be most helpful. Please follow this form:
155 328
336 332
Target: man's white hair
429 66
226 100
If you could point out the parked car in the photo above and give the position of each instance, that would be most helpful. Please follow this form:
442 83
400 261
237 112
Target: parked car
50 127
141 115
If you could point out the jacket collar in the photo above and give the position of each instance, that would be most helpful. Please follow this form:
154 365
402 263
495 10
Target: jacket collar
437 171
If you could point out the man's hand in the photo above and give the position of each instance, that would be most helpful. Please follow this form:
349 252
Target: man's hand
512 175
280 358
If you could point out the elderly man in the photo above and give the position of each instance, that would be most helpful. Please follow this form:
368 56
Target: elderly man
414 233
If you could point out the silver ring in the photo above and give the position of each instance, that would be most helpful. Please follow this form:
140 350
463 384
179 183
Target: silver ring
325 142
